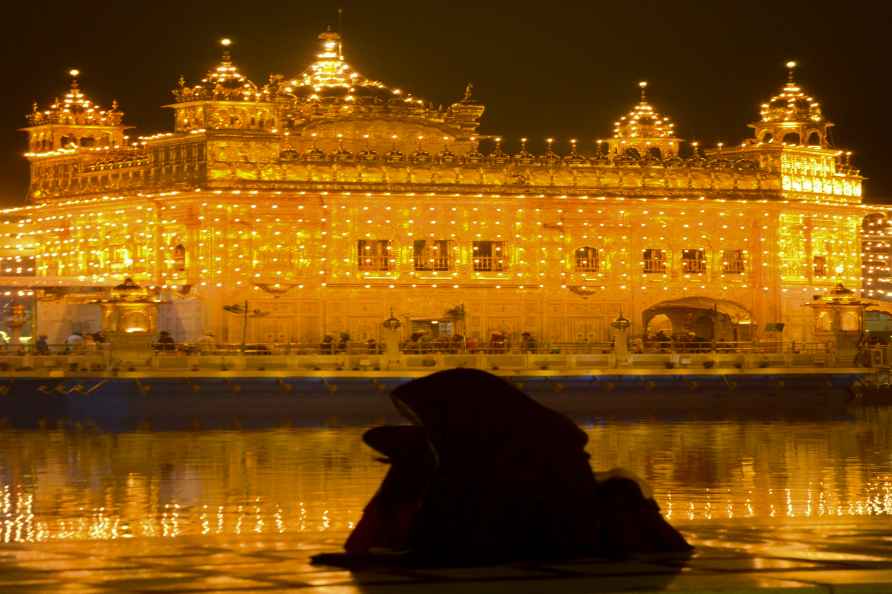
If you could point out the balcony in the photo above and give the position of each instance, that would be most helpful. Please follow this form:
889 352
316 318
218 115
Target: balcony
432 263
375 264
489 264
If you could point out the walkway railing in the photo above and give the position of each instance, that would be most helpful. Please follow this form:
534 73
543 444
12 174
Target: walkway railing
581 356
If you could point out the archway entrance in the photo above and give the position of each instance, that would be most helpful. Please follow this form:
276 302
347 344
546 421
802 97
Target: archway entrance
657 324
699 318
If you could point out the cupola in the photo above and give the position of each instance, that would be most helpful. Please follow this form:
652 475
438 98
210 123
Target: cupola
792 117
644 132
73 122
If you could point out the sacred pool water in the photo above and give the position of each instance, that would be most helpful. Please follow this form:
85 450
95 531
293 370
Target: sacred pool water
80 484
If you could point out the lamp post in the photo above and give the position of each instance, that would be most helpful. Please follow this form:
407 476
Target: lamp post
242 310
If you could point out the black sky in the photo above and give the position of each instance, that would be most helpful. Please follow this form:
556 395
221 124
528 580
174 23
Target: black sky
562 69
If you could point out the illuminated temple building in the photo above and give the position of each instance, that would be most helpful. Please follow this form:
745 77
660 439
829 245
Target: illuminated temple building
328 199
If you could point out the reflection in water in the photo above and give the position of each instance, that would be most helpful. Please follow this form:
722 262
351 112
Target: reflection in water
82 485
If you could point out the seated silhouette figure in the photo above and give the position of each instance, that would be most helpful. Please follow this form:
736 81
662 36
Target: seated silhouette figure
485 475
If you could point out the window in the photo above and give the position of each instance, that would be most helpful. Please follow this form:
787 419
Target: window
819 265
693 261
490 256
374 255
179 257
733 262
587 260
654 261
432 255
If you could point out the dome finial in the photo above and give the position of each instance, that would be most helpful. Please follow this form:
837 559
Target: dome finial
226 43
791 68
74 73
643 86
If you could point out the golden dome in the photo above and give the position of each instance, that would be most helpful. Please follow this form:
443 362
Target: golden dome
223 82
75 108
643 122
331 79
792 104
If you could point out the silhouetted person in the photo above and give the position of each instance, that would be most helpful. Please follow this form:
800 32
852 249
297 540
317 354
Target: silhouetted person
41 346
489 475
512 481
327 345
386 520
631 521
165 342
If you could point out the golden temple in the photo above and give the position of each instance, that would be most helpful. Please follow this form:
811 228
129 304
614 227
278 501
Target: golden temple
327 199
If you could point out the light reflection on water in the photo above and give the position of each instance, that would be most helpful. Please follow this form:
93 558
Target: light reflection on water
57 485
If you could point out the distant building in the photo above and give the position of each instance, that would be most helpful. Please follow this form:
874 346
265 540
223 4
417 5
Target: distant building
327 198
876 255
18 267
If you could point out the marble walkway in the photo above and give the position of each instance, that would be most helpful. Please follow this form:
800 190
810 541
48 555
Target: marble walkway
833 558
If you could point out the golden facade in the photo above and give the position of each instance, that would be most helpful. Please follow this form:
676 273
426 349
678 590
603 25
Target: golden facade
327 199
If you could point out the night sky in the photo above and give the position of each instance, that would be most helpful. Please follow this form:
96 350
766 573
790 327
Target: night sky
543 68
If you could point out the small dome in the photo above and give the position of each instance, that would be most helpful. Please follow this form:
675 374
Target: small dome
223 82
76 108
643 122
792 104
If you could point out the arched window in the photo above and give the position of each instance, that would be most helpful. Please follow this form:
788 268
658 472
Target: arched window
791 138
88 141
179 257
587 260
767 136
654 153
632 153
814 139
